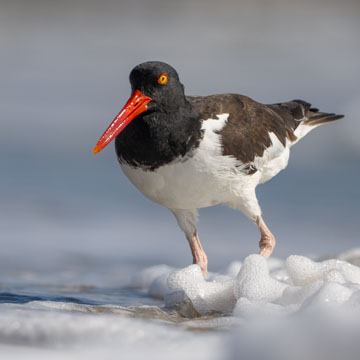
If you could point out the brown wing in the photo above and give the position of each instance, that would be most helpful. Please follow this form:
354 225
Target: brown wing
246 133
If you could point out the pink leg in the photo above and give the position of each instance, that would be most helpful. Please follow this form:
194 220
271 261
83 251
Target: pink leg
267 241
198 253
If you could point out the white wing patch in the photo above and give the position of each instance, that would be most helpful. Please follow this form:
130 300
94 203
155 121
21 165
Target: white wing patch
211 142
274 159
210 152
215 124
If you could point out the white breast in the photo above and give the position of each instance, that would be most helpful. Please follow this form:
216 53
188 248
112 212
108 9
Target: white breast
189 183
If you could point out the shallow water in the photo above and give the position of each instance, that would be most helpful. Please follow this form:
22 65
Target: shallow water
68 289
43 316
89 313
128 300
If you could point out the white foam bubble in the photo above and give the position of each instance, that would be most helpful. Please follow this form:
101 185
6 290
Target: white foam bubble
298 294
303 270
206 296
246 308
255 283
329 295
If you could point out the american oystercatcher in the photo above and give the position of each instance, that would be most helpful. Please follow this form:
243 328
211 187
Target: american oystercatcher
188 152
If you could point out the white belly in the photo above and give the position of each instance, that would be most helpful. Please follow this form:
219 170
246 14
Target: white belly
176 186
198 181
202 180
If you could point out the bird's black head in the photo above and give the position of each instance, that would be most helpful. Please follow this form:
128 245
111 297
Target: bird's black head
161 83
156 88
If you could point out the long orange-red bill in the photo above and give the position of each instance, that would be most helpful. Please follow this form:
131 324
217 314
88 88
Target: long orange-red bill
136 105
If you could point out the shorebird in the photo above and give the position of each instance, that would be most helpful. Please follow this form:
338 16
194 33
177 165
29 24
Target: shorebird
189 152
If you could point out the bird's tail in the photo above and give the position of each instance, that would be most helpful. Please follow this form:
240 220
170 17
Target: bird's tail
313 117
309 118
319 118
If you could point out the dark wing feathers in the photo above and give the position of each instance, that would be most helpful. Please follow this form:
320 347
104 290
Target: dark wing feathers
247 132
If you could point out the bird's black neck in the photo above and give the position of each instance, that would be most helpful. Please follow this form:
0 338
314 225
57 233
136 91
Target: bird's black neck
156 138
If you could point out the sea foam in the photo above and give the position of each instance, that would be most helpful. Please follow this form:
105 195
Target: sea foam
256 285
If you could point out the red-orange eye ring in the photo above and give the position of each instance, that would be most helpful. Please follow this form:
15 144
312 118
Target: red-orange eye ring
163 78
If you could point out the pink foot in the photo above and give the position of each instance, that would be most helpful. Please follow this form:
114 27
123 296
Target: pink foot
267 241
267 245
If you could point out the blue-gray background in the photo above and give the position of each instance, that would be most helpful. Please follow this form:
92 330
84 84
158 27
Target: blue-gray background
64 75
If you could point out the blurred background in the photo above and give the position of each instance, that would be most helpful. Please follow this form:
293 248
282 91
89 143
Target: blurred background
64 75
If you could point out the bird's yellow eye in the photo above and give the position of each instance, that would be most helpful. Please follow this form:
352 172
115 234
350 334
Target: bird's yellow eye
162 79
